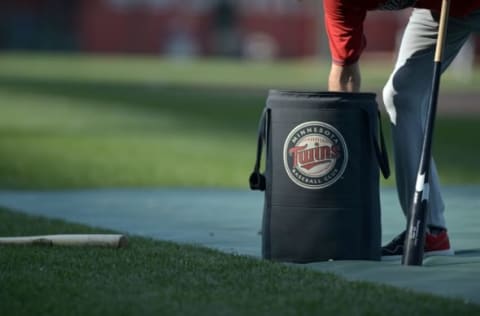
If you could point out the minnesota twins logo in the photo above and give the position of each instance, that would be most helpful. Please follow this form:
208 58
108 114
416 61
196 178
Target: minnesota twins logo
315 155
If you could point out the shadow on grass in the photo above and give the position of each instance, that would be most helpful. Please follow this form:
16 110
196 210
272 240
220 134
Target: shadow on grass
219 109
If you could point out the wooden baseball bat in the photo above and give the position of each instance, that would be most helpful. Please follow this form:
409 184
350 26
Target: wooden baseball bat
100 240
416 226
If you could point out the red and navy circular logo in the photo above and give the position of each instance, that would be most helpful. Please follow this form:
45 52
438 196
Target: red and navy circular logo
315 155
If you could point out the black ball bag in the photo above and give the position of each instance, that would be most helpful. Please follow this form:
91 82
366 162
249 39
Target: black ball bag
321 180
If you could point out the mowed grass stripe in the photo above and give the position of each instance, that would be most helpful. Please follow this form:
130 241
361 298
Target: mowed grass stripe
210 72
153 277
70 161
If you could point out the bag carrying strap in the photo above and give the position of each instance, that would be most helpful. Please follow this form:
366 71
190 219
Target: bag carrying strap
381 151
257 179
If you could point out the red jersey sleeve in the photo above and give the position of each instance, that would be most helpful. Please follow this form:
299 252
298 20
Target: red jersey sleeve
344 26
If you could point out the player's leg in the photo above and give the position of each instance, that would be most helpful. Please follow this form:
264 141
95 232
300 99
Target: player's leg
406 99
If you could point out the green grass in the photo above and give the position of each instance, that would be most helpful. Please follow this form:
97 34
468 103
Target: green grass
71 121
76 121
81 134
303 74
160 278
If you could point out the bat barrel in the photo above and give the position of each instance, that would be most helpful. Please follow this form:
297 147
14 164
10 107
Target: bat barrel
99 240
